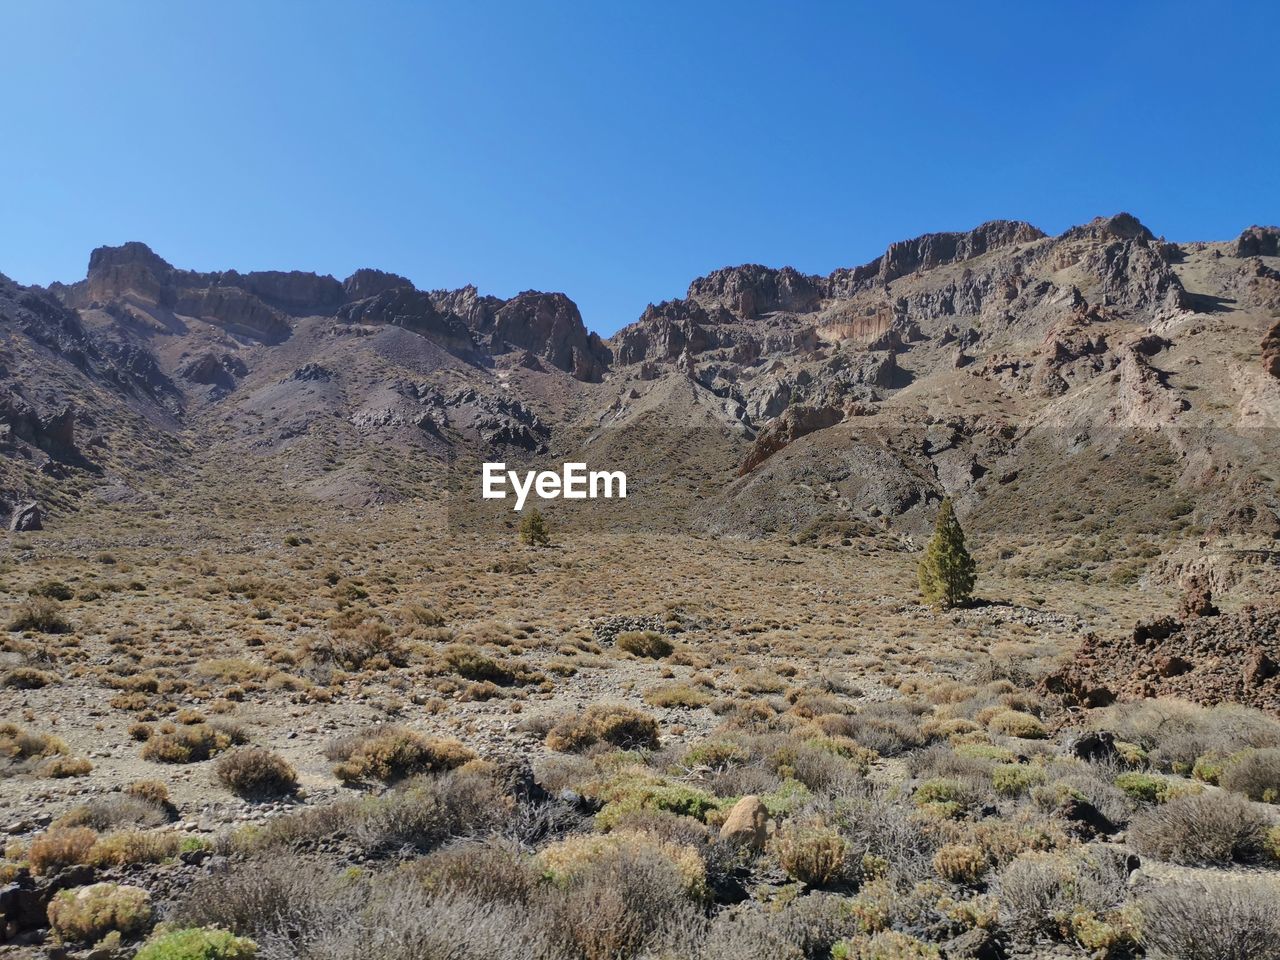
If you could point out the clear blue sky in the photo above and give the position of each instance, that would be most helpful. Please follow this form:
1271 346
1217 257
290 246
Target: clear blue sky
616 151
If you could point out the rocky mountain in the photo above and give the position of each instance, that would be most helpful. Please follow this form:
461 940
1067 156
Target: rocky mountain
1077 386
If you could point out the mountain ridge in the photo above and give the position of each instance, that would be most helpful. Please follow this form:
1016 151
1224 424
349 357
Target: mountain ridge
945 366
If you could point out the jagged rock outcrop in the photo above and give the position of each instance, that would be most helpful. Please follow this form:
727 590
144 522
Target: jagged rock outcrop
415 311
1271 351
368 282
796 422
52 432
752 290
664 332
26 516
213 369
1206 659
933 250
1258 242
549 326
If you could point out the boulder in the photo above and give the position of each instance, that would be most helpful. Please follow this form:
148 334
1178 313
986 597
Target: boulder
1173 666
1197 601
27 516
1093 746
747 823
1086 820
1258 668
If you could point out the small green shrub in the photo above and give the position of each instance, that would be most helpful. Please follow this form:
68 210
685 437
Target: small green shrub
1147 787
813 854
1015 779
198 943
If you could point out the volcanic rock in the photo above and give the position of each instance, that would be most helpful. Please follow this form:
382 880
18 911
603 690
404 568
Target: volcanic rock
27 516
747 824
1258 242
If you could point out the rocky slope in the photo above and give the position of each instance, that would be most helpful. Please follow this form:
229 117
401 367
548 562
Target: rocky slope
1099 383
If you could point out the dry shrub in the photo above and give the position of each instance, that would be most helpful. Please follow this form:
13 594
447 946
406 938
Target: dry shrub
1201 828
809 926
21 750
812 853
1041 892
112 812
41 615
645 643
59 767
28 678
58 848
1176 733
619 726
152 791
568 861
389 754
1254 773
369 644
1225 920
886 945
961 863
1016 723
256 772
190 744
490 871
470 664
635 901
134 846
677 694
89 913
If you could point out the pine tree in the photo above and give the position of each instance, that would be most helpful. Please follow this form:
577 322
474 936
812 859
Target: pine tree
533 529
947 572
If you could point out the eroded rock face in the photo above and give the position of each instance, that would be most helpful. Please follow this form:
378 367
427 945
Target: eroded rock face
213 369
1271 351
369 283
796 422
1258 242
752 290
664 332
233 309
415 311
550 326
26 516
52 432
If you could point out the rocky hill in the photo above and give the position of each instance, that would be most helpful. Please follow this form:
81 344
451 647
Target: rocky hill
1105 395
